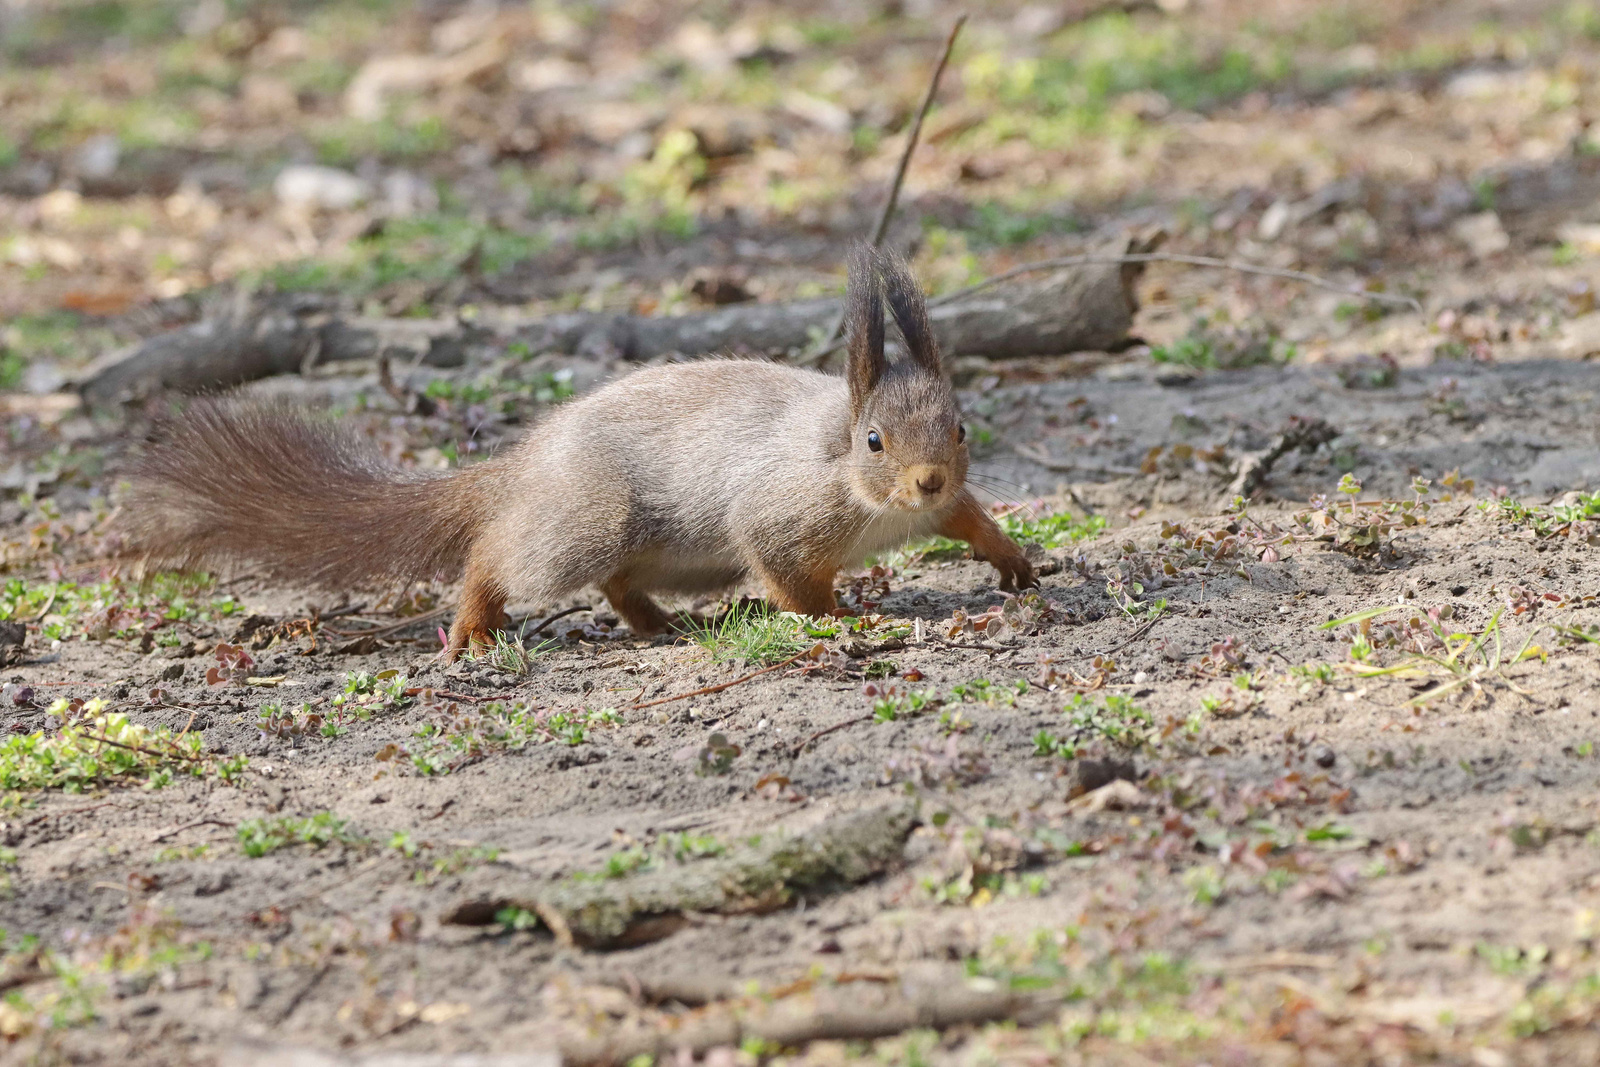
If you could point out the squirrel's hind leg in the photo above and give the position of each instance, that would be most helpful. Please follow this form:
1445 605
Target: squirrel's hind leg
482 610
643 616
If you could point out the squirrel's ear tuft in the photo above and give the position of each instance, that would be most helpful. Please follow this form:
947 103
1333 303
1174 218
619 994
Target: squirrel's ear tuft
864 322
910 312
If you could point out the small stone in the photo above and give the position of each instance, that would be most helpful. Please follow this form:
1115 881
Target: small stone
1482 233
309 186
97 157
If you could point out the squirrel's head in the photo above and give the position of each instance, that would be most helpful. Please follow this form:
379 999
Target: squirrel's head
907 445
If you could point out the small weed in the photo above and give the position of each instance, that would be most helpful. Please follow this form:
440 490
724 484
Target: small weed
983 691
1215 343
1046 743
1116 718
1309 676
1580 518
1205 884
1512 961
1125 595
514 918
747 634
716 756
510 655
94 747
259 837
1329 831
891 704
451 739
1431 650
686 846
116 609
178 852
457 861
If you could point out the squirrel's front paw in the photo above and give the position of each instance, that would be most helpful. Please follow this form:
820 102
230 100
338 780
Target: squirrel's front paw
1016 573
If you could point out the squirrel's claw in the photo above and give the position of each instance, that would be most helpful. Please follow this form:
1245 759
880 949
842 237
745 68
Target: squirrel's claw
1016 573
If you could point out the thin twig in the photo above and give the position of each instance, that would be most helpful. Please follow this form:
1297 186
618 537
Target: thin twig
1140 632
912 137
552 618
379 631
825 731
916 133
146 751
55 587
173 831
724 685
1173 257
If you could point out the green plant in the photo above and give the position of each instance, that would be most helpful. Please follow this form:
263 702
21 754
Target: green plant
510 655
892 705
452 738
95 747
1116 718
1205 884
983 691
748 634
259 837
514 918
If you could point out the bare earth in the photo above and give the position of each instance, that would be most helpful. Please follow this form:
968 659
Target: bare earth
1307 853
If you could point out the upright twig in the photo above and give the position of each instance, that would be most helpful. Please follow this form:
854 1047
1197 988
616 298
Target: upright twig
886 215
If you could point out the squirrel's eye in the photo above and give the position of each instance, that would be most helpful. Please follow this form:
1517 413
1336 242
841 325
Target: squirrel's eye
874 442
961 433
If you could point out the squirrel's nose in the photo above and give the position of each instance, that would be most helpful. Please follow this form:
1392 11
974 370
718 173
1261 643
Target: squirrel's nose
931 482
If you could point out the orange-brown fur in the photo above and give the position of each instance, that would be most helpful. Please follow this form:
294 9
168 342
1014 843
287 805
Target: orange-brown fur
681 478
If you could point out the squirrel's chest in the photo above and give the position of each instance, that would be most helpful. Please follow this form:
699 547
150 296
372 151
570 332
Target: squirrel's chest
888 531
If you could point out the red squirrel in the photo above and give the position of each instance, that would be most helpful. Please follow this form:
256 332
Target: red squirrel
680 478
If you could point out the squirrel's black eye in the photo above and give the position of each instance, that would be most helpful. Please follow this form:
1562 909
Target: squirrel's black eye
874 442
961 433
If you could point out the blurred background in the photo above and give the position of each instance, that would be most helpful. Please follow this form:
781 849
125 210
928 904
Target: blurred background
654 155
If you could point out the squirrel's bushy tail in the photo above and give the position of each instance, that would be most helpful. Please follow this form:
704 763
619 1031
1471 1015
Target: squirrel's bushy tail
304 499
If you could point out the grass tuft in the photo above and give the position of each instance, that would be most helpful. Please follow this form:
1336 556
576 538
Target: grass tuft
751 634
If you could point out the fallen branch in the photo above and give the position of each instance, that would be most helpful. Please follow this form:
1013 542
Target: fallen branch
393 627
262 340
724 685
655 903
1175 257
935 997
1253 468
1069 311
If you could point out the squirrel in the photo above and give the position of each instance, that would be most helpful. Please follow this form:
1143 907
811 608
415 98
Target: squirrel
676 478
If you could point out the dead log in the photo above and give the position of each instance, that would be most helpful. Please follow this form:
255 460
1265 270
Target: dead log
926 996
221 352
1087 308
648 906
